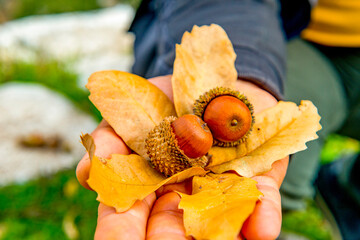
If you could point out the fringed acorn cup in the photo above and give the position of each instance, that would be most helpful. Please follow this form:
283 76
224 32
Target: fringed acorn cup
179 143
228 114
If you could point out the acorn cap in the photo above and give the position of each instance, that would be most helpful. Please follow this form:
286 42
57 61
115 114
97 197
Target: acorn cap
164 152
202 102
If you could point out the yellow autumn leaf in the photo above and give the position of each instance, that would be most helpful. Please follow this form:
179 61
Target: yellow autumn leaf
205 59
123 179
279 132
130 104
218 206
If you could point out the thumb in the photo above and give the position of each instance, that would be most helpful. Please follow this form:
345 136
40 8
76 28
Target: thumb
107 142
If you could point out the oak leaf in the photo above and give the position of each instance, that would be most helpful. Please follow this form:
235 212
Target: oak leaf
218 206
205 59
123 179
130 104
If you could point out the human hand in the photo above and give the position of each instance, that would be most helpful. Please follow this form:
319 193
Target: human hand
155 217
158 216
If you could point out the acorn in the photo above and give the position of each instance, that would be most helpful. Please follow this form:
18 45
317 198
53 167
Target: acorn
228 114
193 135
179 143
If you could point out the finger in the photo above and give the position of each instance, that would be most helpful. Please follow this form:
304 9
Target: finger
278 171
166 220
127 225
164 84
107 142
265 222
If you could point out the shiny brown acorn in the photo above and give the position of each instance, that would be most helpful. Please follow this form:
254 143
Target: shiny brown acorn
193 135
179 143
228 113
228 117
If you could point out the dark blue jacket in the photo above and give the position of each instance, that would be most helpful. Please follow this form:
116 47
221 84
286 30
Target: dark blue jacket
257 29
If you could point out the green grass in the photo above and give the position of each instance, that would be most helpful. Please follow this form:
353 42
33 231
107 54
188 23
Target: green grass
41 209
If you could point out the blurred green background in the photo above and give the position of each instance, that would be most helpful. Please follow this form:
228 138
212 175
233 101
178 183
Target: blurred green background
56 207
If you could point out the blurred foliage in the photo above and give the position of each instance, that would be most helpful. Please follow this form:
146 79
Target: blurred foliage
52 74
13 9
46 207
337 146
309 223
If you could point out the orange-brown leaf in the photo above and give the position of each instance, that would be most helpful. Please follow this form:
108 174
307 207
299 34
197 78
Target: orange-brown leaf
130 104
219 205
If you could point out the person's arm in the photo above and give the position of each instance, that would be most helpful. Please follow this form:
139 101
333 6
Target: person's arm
254 28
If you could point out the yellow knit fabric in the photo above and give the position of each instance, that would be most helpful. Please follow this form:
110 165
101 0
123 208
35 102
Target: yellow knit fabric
335 23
